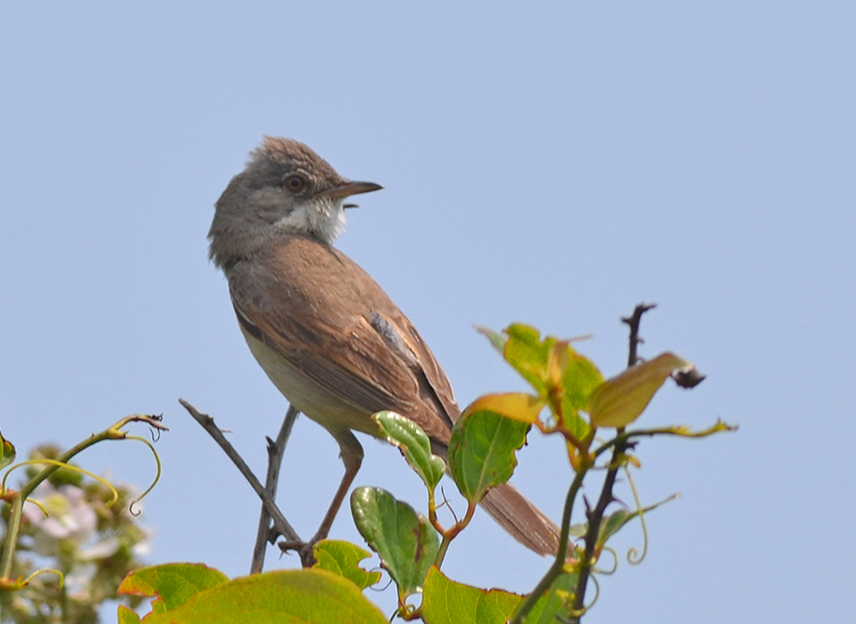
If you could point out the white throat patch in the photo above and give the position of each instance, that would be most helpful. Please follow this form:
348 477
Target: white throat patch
322 217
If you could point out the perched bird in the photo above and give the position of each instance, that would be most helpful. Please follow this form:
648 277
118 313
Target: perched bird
326 334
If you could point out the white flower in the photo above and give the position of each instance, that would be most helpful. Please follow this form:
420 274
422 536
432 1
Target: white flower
69 517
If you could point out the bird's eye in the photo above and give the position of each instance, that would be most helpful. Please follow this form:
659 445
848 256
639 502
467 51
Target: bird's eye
295 183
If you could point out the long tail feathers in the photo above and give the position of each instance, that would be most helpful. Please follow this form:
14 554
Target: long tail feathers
523 520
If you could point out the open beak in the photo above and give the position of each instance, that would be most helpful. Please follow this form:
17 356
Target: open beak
351 188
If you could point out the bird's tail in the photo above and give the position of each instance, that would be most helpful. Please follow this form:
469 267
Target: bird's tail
523 520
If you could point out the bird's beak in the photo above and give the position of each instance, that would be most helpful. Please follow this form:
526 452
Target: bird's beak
351 188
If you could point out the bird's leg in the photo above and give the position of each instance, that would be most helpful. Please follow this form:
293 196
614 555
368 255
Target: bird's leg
352 457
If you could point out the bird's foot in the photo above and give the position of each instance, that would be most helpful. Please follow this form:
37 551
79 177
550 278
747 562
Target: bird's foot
304 550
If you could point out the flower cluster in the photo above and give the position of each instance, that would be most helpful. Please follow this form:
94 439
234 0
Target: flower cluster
75 530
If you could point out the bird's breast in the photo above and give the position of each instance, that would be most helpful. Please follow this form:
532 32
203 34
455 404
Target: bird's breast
305 395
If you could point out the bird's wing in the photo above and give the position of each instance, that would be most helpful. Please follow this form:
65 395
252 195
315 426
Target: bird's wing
342 332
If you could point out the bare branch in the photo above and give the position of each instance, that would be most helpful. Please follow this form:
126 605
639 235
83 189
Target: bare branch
633 321
279 522
595 516
276 449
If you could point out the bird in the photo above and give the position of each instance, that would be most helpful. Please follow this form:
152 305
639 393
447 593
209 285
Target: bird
327 335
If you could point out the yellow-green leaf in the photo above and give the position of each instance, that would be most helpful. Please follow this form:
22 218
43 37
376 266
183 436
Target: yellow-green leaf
579 378
172 583
296 596
529 355
343 558
620 400
515 405
448 602
127 616
562 377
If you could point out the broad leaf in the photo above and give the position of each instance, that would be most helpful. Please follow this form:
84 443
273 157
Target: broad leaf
529 355
127 616
172 583
561 376
515 405
406 543
414 444
481 451
620 400
343 558
448 602
283 596
579 378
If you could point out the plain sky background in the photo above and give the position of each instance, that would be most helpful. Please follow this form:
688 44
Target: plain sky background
552 163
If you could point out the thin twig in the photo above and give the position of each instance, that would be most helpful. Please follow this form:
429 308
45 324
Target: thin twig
633 321
276 449
279 522
679 431
595 516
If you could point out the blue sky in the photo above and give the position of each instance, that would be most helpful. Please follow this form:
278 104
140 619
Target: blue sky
552 164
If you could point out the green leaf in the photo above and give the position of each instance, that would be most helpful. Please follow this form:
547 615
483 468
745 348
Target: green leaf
579 378
7 452
343 558
406 543
620 400
529 355
556 601
172 583
127 616
554 369
283 596
448 602
496 339
481 451
414 444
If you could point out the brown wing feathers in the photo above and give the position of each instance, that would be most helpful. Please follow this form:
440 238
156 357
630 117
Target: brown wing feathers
359 368
373 357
